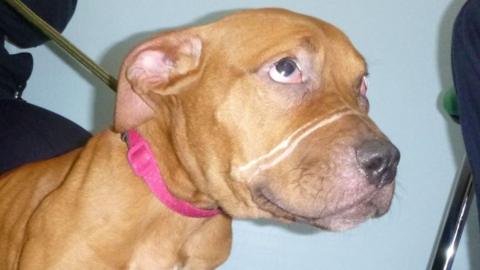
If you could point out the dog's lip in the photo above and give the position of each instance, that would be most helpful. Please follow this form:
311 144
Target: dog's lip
282 212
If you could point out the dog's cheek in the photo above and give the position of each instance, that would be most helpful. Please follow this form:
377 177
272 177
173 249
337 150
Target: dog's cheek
250 124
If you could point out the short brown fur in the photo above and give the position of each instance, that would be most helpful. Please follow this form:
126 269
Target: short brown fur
207 112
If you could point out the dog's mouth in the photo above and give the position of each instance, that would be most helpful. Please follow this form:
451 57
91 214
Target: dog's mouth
371 205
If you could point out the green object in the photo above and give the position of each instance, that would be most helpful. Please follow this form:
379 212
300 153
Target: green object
450 104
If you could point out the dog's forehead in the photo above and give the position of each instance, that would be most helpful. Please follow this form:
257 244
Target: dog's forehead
261 26
271 18
270 31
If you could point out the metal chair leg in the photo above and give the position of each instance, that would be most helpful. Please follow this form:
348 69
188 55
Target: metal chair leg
455 220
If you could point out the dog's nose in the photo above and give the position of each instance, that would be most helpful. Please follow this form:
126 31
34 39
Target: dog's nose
379 160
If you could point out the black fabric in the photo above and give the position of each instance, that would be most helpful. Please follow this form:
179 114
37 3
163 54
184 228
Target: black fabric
16 69
466 75
29 133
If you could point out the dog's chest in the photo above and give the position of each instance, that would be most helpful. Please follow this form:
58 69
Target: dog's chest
180 247
146 258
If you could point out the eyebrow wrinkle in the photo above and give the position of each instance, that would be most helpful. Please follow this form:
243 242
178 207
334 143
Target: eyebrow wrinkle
308 43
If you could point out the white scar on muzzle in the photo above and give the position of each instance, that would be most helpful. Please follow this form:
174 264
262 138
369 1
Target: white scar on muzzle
287 146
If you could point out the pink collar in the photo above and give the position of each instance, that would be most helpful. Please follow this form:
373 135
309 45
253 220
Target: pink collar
142 161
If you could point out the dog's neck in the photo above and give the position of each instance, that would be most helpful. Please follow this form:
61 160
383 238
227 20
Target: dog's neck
190 234
175 174
143 163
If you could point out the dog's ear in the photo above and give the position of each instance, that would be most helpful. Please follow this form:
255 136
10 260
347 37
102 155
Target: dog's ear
157 67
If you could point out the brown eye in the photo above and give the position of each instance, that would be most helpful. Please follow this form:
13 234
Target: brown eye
286 71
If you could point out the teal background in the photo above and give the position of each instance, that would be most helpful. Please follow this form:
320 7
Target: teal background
407 46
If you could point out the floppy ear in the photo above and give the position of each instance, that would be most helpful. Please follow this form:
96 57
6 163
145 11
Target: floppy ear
157 67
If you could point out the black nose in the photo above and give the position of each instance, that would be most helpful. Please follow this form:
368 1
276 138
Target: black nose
379 160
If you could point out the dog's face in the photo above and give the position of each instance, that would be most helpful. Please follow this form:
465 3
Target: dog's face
268 111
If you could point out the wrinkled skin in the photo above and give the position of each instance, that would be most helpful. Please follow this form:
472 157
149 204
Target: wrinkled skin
228 130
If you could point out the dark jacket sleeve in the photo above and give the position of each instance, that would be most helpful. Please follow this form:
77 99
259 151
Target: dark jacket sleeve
466 76
20 32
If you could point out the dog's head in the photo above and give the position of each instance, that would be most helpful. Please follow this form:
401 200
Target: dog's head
267 110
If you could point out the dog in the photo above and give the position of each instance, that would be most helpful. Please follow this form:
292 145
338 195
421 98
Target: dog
262 114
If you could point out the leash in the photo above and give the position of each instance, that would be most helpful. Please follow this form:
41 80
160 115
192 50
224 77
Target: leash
63 43
142 161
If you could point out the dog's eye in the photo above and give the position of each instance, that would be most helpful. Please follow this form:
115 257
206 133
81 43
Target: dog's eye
364 86
286 71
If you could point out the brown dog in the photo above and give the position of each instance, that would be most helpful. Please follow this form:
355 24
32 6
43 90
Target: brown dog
262 114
